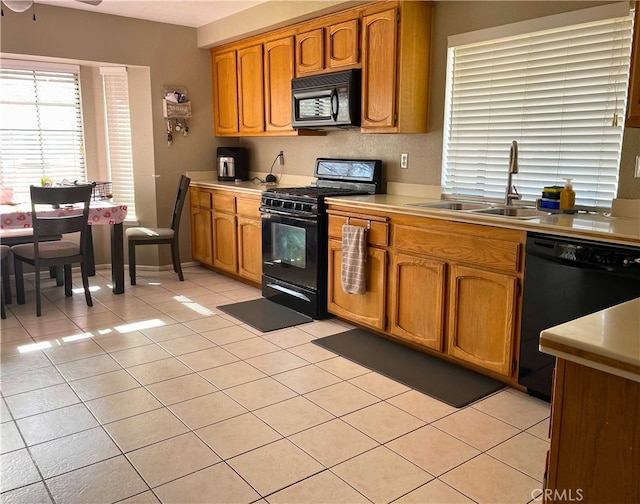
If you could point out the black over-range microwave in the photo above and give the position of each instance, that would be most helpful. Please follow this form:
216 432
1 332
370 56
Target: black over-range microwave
327 100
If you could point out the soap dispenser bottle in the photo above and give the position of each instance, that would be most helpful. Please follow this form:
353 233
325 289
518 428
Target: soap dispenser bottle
567 196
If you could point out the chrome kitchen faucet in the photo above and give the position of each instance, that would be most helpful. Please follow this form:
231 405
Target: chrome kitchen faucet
513 168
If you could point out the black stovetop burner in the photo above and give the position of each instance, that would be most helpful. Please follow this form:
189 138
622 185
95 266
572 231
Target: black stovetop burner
335 177
313 192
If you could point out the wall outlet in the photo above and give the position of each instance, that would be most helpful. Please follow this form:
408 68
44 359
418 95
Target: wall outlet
637 172
404 160
281 158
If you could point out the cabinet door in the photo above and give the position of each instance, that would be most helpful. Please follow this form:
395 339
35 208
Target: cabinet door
225 93
250 249
482 308
278 72
250 90
342 44
224 242
201 235
417 289
633 110
368 308
379 56
310 52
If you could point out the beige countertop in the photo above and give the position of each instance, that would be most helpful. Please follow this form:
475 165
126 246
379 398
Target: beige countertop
246 186
598 227
608 340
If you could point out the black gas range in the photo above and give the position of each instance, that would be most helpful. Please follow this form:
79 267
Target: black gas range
295 236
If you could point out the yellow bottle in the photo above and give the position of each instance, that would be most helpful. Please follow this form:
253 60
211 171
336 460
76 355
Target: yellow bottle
567 196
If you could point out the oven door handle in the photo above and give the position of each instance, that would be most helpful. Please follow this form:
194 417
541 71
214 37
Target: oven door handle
269 211
273 263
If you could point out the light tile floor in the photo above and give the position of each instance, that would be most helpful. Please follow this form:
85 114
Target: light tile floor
157 395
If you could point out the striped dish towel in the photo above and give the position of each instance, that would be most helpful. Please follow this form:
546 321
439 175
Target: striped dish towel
354 254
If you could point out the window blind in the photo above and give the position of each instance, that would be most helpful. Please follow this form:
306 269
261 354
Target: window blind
118 132
40 125
556 92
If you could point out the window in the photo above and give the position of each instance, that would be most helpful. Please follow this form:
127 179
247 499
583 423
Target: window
118 136
561 93
40 125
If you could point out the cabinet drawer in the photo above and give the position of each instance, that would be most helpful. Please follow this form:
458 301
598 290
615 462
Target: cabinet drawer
248 207
479 251
200 199
378 233
224 203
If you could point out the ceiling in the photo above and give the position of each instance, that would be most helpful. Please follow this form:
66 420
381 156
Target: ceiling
194 13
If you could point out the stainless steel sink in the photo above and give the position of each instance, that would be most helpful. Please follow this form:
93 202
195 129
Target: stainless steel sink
452 205
513 212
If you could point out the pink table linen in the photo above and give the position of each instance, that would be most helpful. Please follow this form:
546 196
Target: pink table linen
19 216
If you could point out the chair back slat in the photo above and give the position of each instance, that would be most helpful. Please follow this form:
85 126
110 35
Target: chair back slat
65 195
181 196
46 226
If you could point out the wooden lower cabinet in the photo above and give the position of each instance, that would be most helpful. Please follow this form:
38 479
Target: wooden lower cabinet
202 235
595 439
367 309
250 248
201 225
482 307
416 299
224 242
447 287
226 231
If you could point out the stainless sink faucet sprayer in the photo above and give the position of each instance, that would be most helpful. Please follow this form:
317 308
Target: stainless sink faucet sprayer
513 168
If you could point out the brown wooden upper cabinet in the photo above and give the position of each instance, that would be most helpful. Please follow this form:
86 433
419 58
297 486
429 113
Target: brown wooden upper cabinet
328 45
278 71
633 108
225 92
250 90
342 46
389 40
396 47
252 87
310 52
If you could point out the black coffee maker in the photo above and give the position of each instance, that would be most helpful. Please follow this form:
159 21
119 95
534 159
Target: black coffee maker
232 163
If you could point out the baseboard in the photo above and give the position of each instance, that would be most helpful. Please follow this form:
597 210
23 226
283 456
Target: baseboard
107 266
166 267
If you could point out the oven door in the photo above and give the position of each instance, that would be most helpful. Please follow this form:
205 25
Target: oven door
290 248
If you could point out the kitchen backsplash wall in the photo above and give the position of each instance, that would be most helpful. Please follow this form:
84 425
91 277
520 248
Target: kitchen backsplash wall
425 152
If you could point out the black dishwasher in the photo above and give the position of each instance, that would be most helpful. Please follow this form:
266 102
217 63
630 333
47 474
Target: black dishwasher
565 279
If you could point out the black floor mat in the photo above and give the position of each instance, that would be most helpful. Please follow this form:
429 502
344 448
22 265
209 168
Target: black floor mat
265 315
454 385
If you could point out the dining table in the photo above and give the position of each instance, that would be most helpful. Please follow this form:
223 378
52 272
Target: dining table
15 219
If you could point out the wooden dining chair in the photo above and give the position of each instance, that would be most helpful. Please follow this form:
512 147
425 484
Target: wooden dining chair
160 236
5 292
62 253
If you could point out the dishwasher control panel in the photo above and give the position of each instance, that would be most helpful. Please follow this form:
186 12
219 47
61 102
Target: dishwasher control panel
584 253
